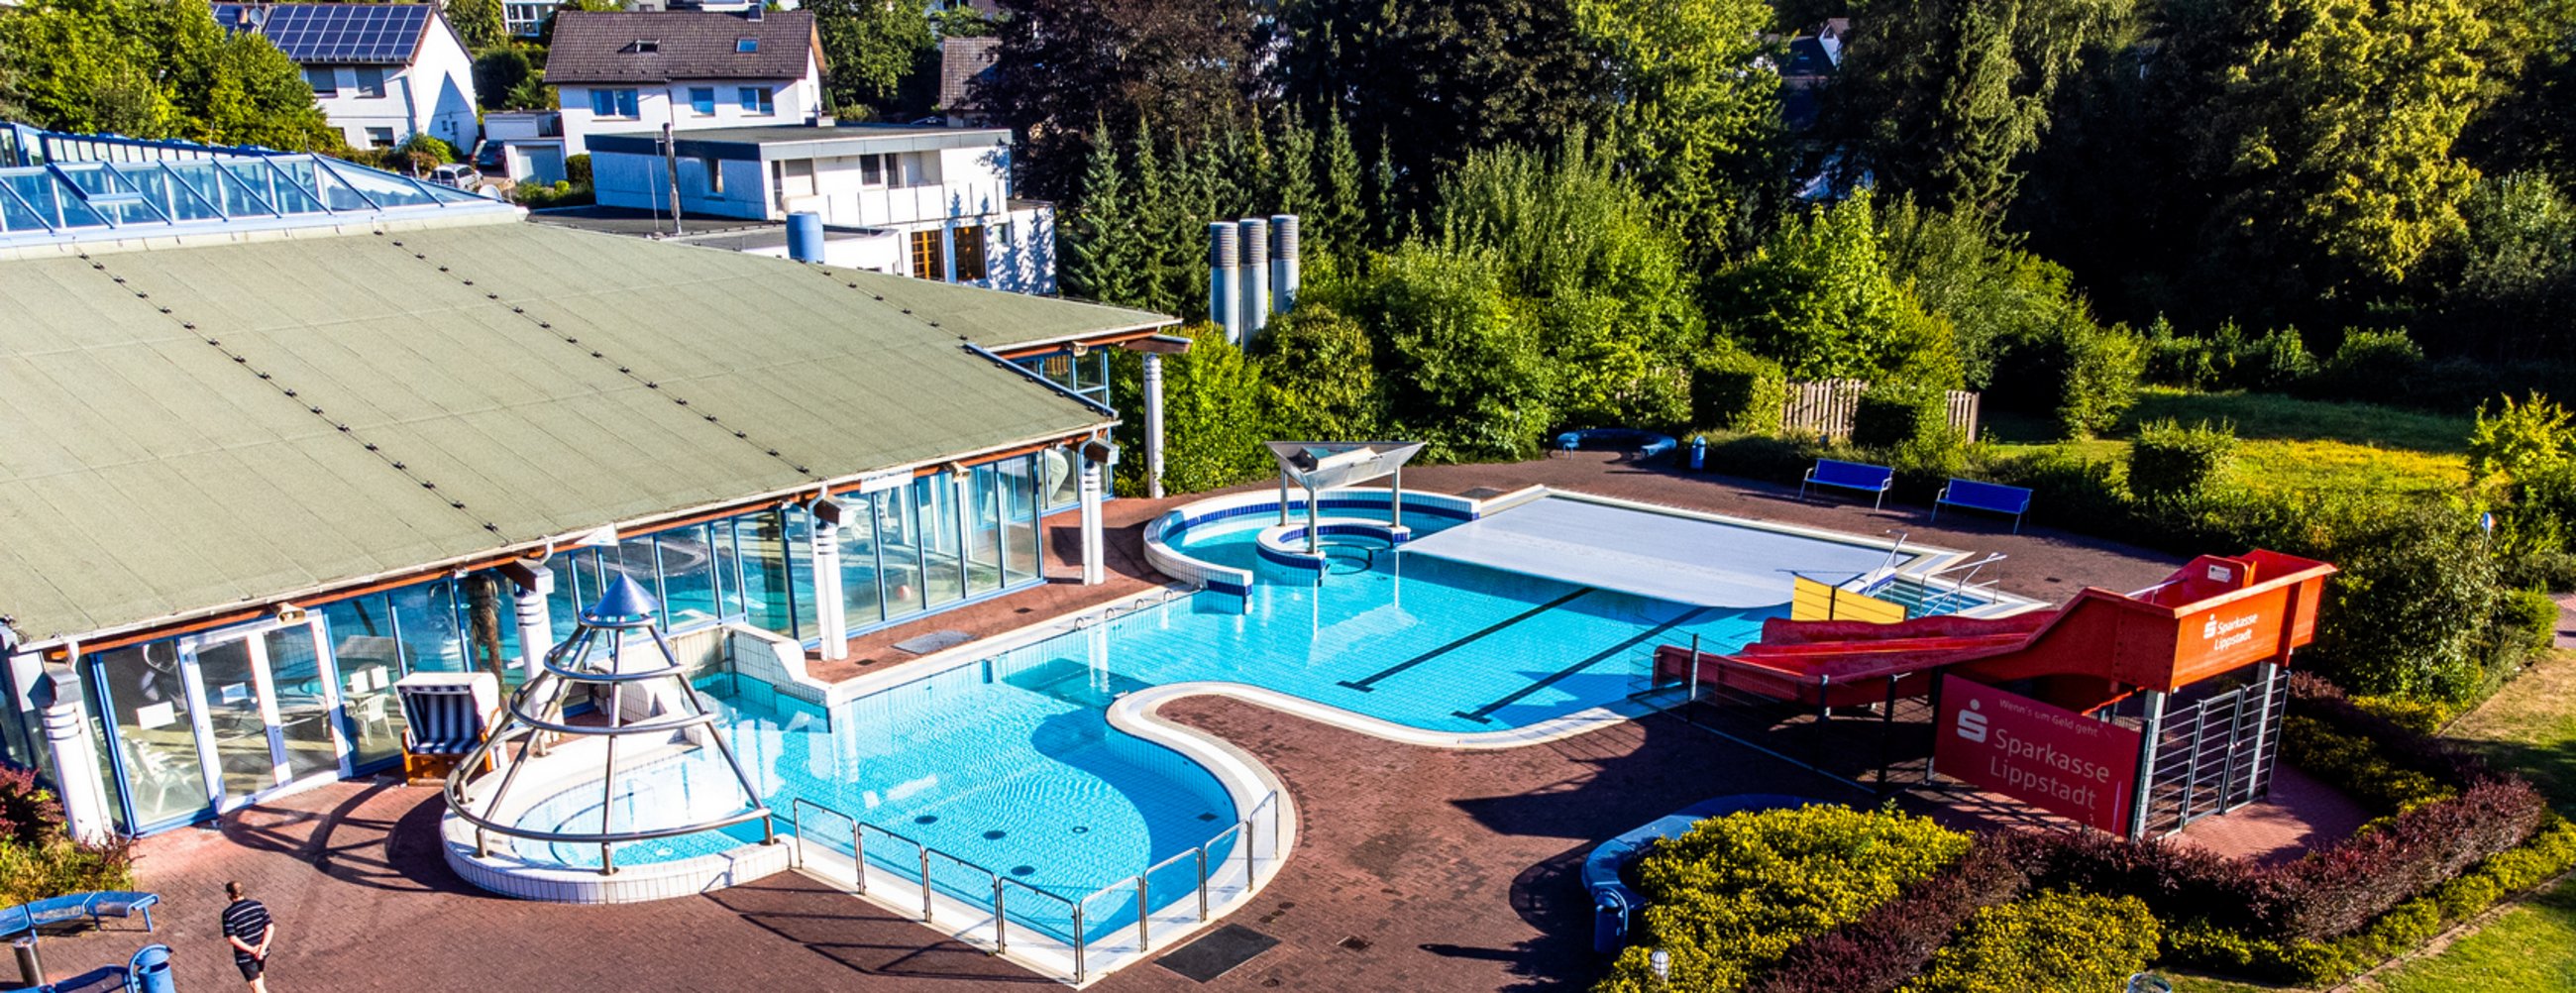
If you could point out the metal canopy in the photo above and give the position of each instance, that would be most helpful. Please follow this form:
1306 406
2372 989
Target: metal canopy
1322 465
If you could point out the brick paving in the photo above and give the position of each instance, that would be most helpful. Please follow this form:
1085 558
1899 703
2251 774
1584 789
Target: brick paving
1417 869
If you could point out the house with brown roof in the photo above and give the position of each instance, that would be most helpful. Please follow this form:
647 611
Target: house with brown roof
636 72
962 62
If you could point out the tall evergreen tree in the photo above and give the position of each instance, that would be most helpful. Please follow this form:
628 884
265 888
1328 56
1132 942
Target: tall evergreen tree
1062 64
1293 188
1339 220
1163 240
1101 260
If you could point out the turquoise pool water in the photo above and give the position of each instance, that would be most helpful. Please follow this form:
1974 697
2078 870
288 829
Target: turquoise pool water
1009 763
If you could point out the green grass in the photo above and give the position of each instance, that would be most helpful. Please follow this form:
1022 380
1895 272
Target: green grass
2529 726
2290 444
2531 947
2275 417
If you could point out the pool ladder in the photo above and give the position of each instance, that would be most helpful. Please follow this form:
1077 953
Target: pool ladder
1080 940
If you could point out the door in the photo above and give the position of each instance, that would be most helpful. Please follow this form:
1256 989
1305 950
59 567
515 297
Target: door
271 711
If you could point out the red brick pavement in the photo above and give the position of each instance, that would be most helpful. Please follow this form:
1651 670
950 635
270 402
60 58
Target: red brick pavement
1451 869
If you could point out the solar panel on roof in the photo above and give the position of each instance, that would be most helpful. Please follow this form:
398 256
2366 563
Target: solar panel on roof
338 33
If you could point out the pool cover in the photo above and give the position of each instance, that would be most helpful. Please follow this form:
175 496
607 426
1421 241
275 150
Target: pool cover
1665 556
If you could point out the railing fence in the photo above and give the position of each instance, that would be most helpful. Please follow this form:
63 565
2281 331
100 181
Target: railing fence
1825 407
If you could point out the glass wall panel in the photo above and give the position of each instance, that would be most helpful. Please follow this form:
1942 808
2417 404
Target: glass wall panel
859 560
425 616
899 552
563 606
96 727
369 659
762 540
232 712
296 672
934 500
633 558
983 518
728 567
156 731
1059 478
1020 519
688 577
800 569
471 595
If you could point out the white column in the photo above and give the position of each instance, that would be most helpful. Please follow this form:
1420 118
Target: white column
1153 425
57 697
536 619
828 612
1094 571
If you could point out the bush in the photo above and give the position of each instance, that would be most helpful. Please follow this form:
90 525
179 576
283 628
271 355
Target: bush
1212 425
2103 367
577 169
2338 890
2052 941
2410 613
1736 892
2351 764
2394 740
2169 463
37 860
1318 380
2369 365
1891 416
2528 620
1891 943
2068 487
1738 391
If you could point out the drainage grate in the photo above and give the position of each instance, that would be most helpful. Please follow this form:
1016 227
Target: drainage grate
1218 953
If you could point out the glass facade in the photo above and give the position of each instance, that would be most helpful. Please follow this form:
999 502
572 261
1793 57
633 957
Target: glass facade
1058 469
161 725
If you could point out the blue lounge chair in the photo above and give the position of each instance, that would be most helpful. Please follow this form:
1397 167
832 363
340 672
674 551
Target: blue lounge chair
122 903
95 905
1974 495
1647 444
1872 479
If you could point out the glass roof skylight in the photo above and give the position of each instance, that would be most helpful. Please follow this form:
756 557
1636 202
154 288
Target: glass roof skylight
83 200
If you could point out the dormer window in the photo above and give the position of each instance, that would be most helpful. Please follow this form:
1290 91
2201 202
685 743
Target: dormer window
646 47
746 44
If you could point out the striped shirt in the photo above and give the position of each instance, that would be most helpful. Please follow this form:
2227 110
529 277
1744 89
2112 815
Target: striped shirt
246 920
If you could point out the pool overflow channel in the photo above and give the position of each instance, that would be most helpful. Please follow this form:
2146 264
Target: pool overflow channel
1077 936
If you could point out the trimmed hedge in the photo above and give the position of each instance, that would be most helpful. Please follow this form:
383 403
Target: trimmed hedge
1738 391
1893 942
2338 890
1900 415
1737 892
2052 941
2169 462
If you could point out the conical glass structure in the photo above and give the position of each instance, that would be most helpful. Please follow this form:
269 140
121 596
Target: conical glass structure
616 660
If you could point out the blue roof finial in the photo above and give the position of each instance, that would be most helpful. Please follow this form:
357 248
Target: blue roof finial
623 604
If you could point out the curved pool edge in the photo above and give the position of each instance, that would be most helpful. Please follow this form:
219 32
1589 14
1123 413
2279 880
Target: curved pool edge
1552 729
511 876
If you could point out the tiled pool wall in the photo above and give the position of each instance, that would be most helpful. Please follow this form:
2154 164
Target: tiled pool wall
1166 532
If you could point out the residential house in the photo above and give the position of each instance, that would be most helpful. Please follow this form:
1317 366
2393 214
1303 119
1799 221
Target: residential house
381 72
929 202
962 63
629 72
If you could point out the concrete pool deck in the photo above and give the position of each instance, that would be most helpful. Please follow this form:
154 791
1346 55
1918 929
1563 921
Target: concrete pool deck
1417 869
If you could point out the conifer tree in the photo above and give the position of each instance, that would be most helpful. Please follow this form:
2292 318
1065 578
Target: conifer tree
1337 224
1386 216
1294 189
1100 257
1164 242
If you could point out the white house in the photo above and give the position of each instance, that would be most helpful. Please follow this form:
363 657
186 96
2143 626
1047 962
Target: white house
380 72
627 72
931 202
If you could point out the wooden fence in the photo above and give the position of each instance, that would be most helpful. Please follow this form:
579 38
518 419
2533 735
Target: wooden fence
1826 407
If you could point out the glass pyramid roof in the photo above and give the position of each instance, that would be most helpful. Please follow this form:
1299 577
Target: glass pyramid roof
63 201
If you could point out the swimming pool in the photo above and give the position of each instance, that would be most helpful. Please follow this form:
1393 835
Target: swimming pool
1006 763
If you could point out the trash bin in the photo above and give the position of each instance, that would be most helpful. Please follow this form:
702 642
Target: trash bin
150 970
31 970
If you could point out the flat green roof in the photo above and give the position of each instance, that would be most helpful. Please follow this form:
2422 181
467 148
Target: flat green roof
189 430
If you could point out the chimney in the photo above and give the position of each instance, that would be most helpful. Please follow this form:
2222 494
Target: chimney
1222 260
1283 263
1255 281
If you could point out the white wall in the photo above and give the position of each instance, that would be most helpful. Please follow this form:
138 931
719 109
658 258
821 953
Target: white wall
434 95
796 101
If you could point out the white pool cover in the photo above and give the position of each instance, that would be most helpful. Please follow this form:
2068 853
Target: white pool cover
1664 556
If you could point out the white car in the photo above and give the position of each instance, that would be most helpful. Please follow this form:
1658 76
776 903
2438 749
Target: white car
457 175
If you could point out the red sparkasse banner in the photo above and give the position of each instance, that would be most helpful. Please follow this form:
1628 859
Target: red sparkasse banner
2052 757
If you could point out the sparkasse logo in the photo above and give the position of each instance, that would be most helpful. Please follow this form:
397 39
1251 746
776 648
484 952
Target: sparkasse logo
1972 724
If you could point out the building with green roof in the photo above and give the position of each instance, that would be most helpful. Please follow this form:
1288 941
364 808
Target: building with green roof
280 431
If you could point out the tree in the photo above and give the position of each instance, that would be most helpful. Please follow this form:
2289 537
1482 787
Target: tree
1941 97
479 23
1695 122
1475 387
1211 416
1064 64
153 69
871 45
1319 377
499 76
2514 291
1339 223
1293 188
1817 296
1102 256
1168 246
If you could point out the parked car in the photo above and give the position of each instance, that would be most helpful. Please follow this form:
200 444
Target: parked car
489 157
456 174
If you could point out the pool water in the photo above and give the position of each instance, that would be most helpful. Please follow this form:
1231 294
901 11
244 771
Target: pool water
1008 762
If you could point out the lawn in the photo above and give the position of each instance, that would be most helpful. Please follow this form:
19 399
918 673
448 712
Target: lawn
2530 727
2291 444
2528 949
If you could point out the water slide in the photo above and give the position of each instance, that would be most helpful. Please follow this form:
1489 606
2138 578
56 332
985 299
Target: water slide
2213 615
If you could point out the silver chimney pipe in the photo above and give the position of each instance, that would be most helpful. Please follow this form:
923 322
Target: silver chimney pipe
1283 263
1223 306
1256 277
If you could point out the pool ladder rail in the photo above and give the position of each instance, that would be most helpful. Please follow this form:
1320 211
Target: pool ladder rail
1079 940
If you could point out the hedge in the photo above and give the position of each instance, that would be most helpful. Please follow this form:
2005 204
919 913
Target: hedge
1733 894
2052 941
2169 462
1893 942
1738 391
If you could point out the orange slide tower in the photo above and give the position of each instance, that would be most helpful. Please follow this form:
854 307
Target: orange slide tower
2214 615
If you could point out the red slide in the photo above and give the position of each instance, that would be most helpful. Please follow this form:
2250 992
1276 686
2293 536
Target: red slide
2211 616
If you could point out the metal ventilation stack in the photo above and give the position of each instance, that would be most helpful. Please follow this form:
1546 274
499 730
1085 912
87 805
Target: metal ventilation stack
616 658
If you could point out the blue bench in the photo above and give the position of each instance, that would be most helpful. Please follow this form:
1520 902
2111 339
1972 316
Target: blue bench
96 906
1648 444
1974 495
1861 476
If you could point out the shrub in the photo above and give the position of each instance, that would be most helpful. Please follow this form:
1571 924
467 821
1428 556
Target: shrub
1736 892
37 860
2171 463
577 169
2068 487
2051 941
1738 391
1318 380
1901 415
2337 890
1212 426
2276 361
28 812
2351 763
2391 739
430 148
2409 614
2103 367
2528 619
1891 943
2368 365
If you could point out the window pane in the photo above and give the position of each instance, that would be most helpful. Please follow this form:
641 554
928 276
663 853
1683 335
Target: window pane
935 504
762 540
563 606
325 82
728 568
688 576
426 617
984 531
369 660
800 570
1059 478
1019 519
859 604
156 733
899 549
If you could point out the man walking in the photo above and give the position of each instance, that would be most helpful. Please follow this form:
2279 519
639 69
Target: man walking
247 926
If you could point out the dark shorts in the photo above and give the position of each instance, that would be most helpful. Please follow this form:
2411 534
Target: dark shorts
250 967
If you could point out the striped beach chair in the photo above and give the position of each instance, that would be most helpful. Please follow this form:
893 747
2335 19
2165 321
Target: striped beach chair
446 714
